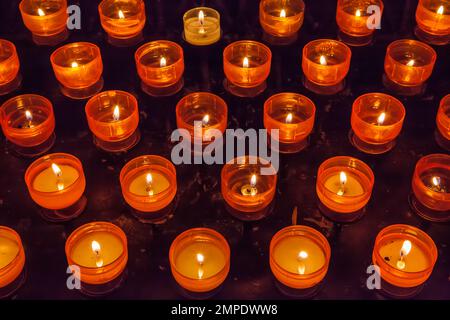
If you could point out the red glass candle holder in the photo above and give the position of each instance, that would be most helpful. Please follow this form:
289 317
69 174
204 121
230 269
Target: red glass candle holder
160 65
204 115
200 260
97 254
47 20
325 64
202 26
248 187
406 256
12 262
352 18
431 187
10 78
293 115
377 120
28 123
344 187
78 67
149 186
122 20
113 118
56 183
443 123
246 65
408 65
299 259
281 20
433 21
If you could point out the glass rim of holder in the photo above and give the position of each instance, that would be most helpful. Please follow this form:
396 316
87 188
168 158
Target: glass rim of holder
392 274
310 103
115 268
295 279
211 282
47 123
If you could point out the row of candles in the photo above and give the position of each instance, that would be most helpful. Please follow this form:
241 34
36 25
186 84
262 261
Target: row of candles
281 20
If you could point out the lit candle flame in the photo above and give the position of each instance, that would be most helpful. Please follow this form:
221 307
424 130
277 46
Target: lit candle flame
58 173
405 250
302 255
121 15
411 63
440 10
28 115
343 181
205 119
116 113
358 13
201 17
96 249
200 260
162 62
40 12
289 118
381 118
283 13
74 64
245 62
253 181
149 181
436 183
323 60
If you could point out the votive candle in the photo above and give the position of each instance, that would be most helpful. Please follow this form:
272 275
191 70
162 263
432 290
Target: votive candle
443 123
12 261
433 21
202 26
9 67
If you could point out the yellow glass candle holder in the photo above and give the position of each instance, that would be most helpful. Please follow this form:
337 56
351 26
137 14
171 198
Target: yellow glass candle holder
202 26
10 78
28 123
203 115
443 123
433 21
78 67
281 20
408 65
99 252
247 66
352 18
47 20
149 186
200 260
122 20
325 64
56 183
344 187
406 256
293 115
113 118
12 262
160 65
431 187
248 186
299 259
376 121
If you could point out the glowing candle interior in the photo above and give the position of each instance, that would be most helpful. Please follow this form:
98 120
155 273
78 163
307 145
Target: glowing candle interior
9 249
202 26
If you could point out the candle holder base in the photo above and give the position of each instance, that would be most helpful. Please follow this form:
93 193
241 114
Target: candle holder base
118 146
408 91
11 86
83 93
427 213
125 42
203 44
341 217
14 286
162 91
52 40
355 41
323 90
306 293
155 217
242 91
442 141
250 216
35 151
196 295
431 38
279 41
368 147
400 293
66 214
101 290
288 148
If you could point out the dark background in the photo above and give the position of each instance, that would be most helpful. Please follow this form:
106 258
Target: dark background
200 200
